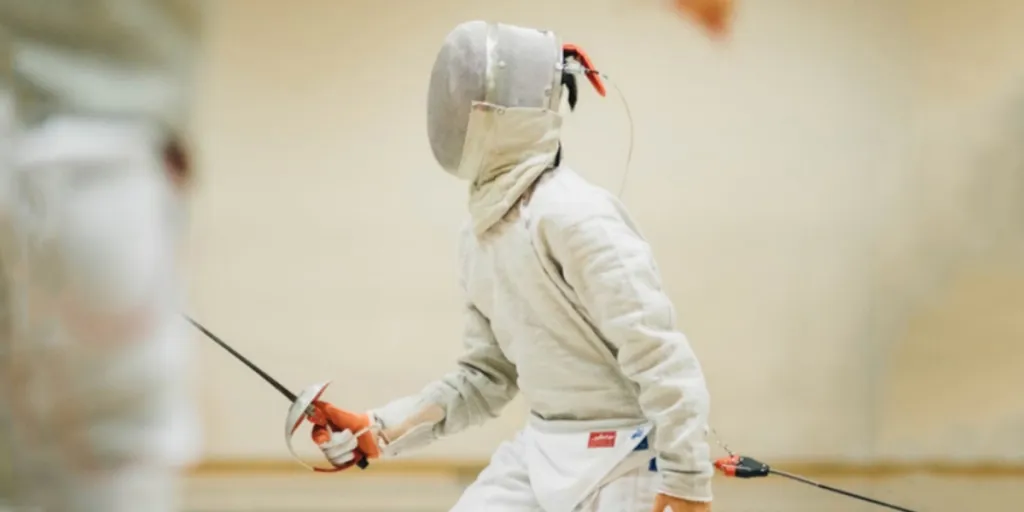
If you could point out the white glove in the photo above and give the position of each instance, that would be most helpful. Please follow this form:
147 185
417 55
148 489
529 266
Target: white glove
340 448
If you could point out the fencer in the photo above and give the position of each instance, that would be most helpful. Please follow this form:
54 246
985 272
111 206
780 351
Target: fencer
95 387
564 303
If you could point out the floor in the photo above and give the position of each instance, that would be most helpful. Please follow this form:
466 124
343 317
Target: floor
368 493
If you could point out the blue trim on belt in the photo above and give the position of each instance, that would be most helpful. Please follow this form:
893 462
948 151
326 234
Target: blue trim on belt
642 445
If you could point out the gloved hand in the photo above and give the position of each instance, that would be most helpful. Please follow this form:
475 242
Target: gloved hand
666 503
352 439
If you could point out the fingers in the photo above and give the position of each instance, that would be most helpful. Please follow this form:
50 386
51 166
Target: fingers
664 503
339 447
355 422
659 503
344 419
342 439
321 434
339 457
343 459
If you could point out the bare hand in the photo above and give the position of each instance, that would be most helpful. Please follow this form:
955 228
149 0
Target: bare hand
666 503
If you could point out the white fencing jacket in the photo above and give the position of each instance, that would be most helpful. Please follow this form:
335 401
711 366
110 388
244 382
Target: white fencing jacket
563 298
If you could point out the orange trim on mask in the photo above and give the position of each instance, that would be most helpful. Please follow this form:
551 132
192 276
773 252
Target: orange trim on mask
584 60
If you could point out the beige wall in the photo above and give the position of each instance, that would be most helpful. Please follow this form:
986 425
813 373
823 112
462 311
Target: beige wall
953 380
784 180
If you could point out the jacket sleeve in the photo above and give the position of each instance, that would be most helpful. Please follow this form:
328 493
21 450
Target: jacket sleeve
612 271
483 382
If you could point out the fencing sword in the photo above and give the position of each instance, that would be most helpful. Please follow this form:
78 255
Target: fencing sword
739 466
309 396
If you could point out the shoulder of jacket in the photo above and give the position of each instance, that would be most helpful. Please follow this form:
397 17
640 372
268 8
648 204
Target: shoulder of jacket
565 197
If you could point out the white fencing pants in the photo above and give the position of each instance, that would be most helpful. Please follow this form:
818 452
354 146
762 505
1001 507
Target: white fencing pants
504 486
93 352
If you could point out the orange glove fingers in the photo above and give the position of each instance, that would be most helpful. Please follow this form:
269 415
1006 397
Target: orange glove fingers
321 434
354 422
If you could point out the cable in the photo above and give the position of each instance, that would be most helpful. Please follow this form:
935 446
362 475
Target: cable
578 69
739 466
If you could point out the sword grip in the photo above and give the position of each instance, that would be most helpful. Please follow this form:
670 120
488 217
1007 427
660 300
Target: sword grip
360 458
319 417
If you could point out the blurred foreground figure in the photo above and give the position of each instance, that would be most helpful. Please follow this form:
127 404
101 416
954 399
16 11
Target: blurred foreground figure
93 354
563 303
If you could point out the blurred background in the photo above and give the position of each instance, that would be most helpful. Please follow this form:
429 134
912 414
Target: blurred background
835 196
